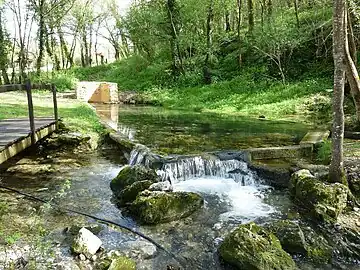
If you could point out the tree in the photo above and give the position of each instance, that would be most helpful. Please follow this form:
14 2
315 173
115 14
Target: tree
251 17
210 17
23 21
4 49
352 74
336 170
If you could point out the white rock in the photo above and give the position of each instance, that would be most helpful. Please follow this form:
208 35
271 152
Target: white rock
161 186
142 248
86 243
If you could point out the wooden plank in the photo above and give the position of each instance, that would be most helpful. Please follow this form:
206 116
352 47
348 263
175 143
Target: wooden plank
22 87
24 143
56 115
31 111
12 87
41 86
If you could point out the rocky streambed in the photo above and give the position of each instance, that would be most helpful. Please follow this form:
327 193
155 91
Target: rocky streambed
207 211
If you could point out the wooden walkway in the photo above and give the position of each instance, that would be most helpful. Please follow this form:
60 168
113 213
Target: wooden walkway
15 135
18 134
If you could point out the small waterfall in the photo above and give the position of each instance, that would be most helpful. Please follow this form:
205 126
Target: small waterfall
127 132
196 167
141 155
184 168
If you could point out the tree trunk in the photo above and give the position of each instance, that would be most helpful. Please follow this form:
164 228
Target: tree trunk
336 169
239 3
227 21
210 16
296 6
41 36
251 18
64 49
350 35
269 10
352 74
3 53
174 45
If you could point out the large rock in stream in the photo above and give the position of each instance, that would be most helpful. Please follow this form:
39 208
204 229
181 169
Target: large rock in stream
131 180
252 247
159 207
301 240
324 201
86 243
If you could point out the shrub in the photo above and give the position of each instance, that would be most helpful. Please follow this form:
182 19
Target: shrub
323 153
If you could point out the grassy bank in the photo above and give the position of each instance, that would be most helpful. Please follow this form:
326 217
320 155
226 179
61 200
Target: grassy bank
251 93
76 115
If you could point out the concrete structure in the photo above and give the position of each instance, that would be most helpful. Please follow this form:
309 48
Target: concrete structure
315 137
97 92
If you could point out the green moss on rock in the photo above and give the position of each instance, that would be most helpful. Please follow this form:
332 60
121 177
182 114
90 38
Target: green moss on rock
122 263
253 247
129 193
129 175
324 201
291 236
301 240
159 207
317 247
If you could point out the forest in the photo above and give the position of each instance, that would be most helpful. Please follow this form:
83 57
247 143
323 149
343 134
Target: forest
179 134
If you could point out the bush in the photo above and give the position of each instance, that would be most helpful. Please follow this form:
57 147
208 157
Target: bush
323 153
62 80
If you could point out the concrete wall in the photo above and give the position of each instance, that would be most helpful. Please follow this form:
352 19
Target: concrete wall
97 92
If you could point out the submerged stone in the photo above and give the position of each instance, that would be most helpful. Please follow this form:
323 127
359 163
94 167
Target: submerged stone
324 201
131 174
253 247
122 263
159 207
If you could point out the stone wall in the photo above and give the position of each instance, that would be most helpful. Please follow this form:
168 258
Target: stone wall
97 92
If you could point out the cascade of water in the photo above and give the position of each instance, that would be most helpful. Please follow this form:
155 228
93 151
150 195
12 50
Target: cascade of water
127 132
195 167
138 155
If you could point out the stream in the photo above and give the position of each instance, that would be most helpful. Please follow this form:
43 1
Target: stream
230 198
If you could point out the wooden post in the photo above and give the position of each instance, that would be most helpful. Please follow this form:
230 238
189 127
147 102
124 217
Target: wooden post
56 114
31 110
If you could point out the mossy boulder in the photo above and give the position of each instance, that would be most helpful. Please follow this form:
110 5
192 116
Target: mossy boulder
159 207
301 240
291 236
318 248
253 247
122 263
129 175
129 193
324 201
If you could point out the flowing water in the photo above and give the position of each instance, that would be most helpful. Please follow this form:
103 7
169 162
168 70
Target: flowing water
233 193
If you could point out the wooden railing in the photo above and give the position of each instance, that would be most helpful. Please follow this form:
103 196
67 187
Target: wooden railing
28 88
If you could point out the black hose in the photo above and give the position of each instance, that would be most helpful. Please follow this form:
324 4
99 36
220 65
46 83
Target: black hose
180 260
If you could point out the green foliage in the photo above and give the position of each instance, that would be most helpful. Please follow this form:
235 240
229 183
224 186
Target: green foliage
63 80
323 153
133 73
3 208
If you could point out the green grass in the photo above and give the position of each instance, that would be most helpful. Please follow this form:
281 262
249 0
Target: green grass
243 96
76 115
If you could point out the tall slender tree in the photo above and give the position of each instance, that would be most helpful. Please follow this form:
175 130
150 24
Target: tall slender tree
336 170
